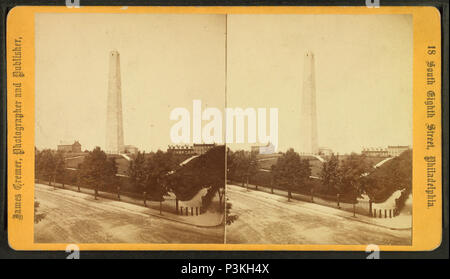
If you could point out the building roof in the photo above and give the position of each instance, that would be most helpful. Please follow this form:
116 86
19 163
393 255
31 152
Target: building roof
204 144
68 142
179 147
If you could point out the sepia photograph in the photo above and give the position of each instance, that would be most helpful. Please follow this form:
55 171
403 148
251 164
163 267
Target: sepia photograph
109 91
215 128
337 167
225 132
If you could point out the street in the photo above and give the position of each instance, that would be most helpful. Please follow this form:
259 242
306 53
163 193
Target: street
265 218
72 217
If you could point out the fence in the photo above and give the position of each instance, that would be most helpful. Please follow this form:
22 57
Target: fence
361 207
168 205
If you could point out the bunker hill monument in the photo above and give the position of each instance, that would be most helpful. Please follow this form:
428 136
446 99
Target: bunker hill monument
308 120
114 122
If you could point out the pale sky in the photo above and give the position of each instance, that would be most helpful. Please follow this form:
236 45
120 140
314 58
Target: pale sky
363 74
166 62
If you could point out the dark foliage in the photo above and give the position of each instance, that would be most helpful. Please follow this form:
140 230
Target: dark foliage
205 171
394 175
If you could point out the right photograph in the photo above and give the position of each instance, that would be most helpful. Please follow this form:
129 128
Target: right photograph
327 103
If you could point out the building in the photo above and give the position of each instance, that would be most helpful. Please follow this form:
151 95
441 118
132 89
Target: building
181 149
202 148
255 148
196 149
269 148
325 151
130 149
308 121
114 123
394 151
70 147
390 151
375 152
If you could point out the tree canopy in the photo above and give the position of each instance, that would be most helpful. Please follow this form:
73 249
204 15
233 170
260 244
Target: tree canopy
97 170
291 171
241 165
395 174
49 164
204 171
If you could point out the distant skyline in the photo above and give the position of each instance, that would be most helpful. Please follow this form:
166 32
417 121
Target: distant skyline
363 75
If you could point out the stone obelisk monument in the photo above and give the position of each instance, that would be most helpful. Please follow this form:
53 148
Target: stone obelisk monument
308 120
114 125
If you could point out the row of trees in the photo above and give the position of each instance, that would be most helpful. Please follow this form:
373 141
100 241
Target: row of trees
159 173
149 172
49 165
395 174
354 176
97 170
156 174
241 165
291 172
345 177
205 171
153 174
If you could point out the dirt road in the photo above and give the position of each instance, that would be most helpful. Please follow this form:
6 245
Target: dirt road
72 217
270 219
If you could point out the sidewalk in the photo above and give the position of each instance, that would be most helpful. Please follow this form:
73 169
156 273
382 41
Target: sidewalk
401 222
210 218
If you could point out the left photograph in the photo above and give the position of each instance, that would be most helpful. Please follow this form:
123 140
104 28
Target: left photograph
120 102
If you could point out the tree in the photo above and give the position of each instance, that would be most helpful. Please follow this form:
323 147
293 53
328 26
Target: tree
230 218
110 178
304 173
213 175
157 166
351 170
47 165
37 164
395 174
252 165
231 165
97 170
37 216
330 174
401 170
60 167
291 171
272 177
138 172
50 165
204 171
240 166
